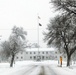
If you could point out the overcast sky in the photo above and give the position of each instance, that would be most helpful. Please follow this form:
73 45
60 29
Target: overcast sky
23 13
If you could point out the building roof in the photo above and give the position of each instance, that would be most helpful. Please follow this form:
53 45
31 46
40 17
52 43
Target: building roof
40 49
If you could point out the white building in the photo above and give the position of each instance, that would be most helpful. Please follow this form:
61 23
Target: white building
35 54
41 54
58 54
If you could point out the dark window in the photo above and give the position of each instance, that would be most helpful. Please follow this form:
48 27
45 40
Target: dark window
42 52
55 56
46 57
30 52
21 57
21 52
26 52
56 52
34 57
46 52
30 57
17 57
64 56
34 53
42 57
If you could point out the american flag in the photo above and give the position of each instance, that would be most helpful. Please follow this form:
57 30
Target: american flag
39 17
39 23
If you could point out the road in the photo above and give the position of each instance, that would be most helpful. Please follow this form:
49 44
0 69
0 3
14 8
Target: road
35 70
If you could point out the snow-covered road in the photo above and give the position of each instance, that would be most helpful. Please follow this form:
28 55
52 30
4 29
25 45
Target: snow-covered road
33 70
37 68
27 71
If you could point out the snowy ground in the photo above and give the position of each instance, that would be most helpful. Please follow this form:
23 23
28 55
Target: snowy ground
37 68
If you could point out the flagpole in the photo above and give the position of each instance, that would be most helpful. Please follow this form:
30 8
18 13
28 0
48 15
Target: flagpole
38 35
39 24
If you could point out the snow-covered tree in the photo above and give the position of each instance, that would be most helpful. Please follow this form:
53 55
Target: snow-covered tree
67 6
62 34
35 45
15 44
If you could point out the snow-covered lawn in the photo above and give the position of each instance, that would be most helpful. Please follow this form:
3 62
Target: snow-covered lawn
49 67
63 70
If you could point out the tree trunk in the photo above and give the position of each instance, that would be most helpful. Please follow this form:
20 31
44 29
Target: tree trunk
68 60
12 60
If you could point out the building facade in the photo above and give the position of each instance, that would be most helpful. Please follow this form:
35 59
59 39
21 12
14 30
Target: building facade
35 54
41 54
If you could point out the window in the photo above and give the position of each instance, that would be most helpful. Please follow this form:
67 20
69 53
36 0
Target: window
16 57
46 57
26 52
34 53
42 52
56 52
21 52
30 57
34 57
21 57
64 56
55 56
42 57
46 52
30 52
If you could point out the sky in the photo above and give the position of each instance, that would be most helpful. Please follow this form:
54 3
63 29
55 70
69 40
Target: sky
24 13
